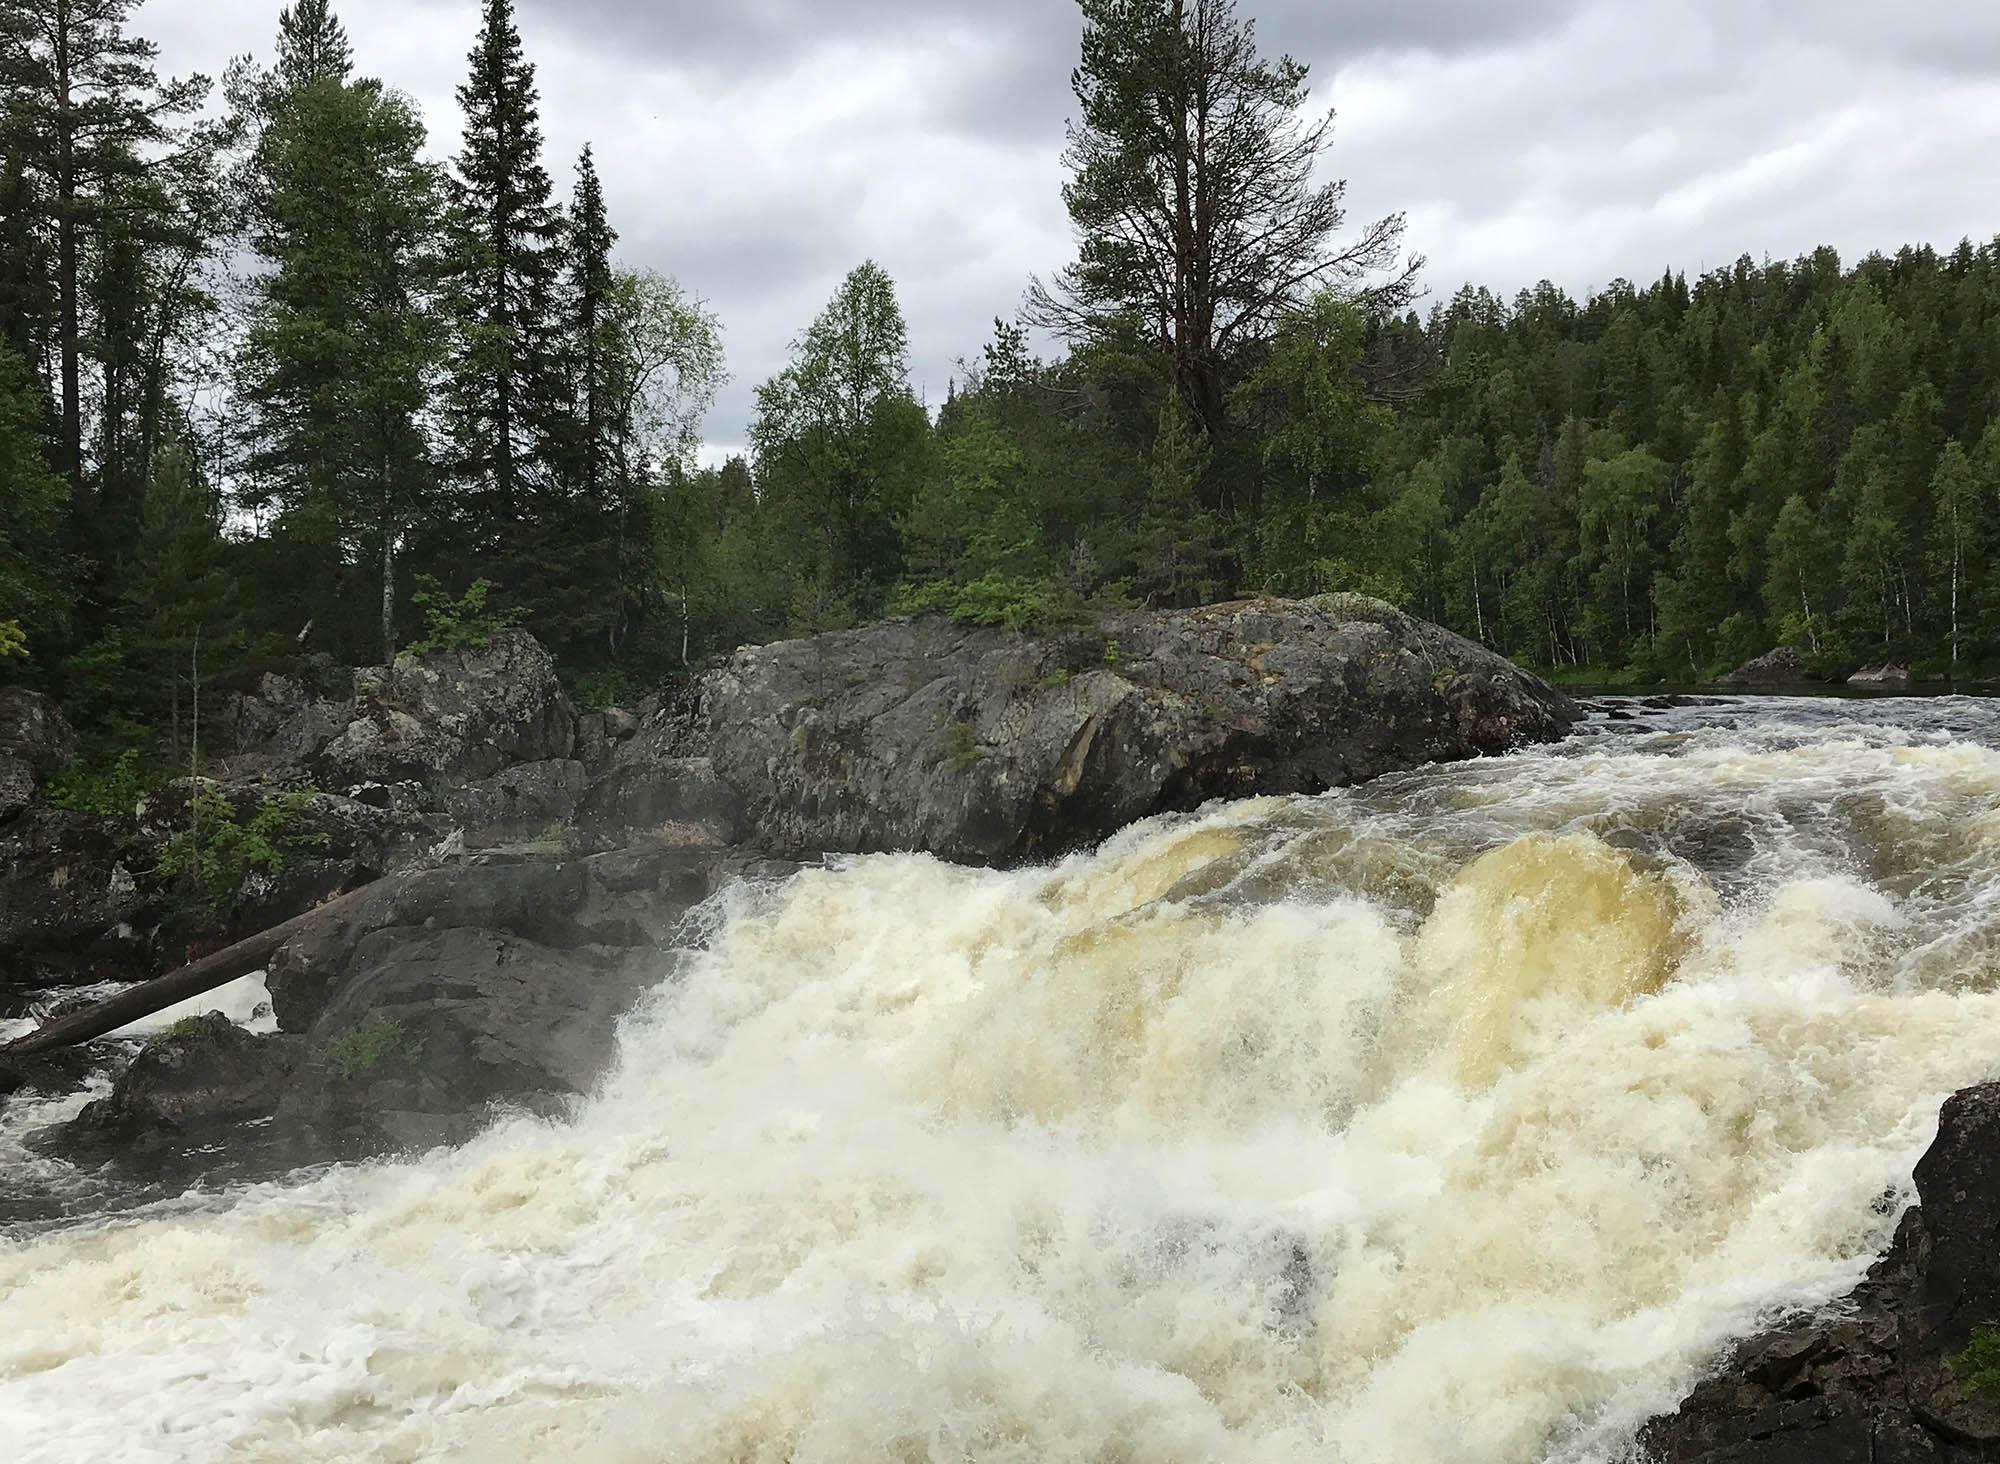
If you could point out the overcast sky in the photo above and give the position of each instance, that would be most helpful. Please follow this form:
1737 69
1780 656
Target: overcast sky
758 149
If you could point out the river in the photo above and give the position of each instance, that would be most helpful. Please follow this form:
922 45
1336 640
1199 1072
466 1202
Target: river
1463 1116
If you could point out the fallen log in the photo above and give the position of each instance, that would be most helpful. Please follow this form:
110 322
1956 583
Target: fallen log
250 954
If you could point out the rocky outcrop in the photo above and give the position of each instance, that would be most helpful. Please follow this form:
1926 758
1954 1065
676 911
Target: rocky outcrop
411 1011
1782 667
1888 675
448 717
71 909
989 745
277 732
35 740
457 980
1881 1377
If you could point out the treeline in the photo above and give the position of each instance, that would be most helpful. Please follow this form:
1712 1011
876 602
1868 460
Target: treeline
275 384
1675 478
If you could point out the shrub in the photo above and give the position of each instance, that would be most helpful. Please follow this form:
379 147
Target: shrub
458 625
594 688
210 859
108 789
1978 1367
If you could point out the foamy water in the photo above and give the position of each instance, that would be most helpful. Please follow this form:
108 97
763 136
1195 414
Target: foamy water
1465 1116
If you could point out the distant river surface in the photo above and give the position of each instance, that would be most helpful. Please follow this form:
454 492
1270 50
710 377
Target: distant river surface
1462 1116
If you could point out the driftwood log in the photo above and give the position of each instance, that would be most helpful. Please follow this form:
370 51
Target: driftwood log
251 954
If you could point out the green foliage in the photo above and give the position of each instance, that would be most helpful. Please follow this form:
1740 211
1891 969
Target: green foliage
1978 1366
593 688
37 577
207 862
841 444
960 743
109 788
462 624
369 1044
344 333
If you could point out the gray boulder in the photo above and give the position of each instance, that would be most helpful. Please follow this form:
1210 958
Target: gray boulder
671 800
408 1014
453 717
1888 674
35 741
990 745
70 909
189 1089
519 800
1782 667
278 731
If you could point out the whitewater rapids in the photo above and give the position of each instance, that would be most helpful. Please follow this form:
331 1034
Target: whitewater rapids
1465 1116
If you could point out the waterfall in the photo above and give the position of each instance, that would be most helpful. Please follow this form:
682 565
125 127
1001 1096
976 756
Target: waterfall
1462 1116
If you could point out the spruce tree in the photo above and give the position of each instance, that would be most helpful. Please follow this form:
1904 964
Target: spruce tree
82 112
312 46
590 328
337 362
36 585
505 400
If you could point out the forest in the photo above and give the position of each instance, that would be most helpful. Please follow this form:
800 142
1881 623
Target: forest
278 386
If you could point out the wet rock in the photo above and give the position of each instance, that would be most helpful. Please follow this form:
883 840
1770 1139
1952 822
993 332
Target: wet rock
35 740
447 1022
1877 1378
989 745
406 1016
182 1095
1782 667
48 1073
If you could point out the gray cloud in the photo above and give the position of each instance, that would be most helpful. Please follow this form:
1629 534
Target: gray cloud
758 150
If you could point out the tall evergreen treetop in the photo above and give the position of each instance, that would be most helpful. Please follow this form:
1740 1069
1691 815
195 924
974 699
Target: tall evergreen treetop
312 45
587 302
82 108
1193 192
506 377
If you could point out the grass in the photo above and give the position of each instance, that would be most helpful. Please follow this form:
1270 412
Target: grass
376 1040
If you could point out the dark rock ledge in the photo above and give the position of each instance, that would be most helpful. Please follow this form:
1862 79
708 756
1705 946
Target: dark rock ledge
1876 1379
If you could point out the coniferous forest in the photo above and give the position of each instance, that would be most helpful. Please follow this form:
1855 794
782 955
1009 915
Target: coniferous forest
276 384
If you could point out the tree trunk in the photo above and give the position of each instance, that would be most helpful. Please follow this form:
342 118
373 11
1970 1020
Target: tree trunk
389 598
162 992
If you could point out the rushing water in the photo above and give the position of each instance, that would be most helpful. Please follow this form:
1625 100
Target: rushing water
1463 1116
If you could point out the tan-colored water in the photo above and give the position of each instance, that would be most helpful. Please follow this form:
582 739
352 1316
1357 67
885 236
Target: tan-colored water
1463 1117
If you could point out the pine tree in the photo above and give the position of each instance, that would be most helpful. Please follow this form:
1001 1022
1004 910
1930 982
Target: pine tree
505 399
1194 196
181 599
312 46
